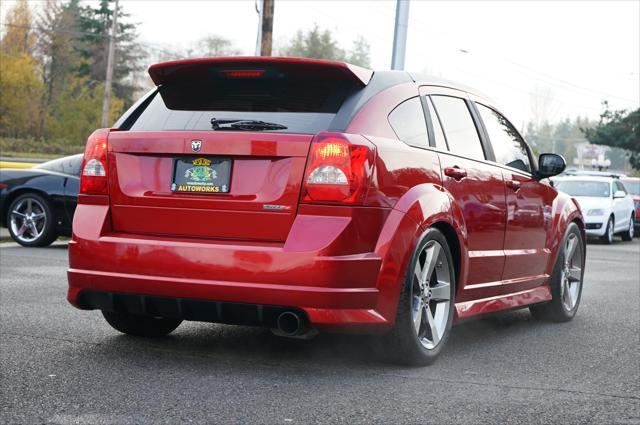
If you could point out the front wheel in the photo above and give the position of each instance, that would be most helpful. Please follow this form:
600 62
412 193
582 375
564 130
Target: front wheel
425 309
140 325
627 236
607 238
565 281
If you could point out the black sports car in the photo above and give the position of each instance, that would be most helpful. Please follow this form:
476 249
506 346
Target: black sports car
37 204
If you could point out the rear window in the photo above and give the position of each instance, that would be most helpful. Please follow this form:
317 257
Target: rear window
303 106
67 165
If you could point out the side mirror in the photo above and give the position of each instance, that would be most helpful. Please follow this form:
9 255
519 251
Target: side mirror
549 165
619 194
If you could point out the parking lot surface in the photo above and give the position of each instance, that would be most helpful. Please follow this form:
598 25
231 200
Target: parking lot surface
62 365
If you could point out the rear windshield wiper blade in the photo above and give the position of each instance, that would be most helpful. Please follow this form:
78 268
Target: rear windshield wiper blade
245 125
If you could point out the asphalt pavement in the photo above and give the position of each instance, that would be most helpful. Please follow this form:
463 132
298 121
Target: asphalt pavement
62 365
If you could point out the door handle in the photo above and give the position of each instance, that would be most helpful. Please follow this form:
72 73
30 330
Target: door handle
513 184
455 172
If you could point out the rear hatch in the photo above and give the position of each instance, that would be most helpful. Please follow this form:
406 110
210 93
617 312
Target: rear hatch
174 172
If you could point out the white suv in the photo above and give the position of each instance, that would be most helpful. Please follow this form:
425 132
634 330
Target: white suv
607 207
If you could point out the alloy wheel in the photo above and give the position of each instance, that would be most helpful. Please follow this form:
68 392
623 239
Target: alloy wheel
28 220
610 231
571 276
431 294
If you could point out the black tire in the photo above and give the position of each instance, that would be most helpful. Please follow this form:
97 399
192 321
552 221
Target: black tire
607 238
48 232
402 345
556 310
628 235
140 325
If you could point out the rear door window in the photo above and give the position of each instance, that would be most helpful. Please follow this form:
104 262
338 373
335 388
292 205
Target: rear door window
407 121
303 106
459 128
508 146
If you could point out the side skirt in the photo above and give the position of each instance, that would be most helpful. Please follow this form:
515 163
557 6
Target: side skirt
468 309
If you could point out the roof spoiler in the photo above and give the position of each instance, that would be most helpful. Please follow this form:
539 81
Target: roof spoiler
257 66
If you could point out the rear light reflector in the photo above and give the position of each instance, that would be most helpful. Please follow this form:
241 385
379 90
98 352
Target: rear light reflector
93 179
339 169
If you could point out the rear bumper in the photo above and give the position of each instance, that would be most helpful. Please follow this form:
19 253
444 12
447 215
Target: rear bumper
336 292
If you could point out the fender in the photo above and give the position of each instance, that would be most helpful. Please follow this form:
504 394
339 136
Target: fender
419 208
564 210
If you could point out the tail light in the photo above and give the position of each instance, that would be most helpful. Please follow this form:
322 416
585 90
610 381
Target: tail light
93 179
339 169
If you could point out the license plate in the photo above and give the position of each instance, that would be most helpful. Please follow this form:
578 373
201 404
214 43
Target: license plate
201 175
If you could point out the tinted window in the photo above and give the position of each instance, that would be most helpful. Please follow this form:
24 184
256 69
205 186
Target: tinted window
458 126
441 142
302 106
584 188
407 120
507 144
67 165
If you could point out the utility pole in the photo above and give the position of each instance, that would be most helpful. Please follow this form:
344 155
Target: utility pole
400 34
267 27
109 78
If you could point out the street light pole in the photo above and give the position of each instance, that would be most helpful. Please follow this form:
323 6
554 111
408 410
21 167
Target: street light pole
400 34
109 78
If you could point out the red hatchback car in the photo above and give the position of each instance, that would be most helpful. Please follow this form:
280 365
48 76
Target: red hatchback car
310 195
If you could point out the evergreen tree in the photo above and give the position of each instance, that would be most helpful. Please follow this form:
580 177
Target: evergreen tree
96 23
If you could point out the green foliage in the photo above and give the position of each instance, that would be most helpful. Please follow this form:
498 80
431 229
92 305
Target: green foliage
318 44
38 148
95 23
51 77
77 111
564 137
618 129
20 93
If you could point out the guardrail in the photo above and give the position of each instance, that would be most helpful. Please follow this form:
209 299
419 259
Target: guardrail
10 164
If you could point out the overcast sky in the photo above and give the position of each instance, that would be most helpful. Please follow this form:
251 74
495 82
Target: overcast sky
582 52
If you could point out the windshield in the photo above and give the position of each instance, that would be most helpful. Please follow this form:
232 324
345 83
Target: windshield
633 186
584 188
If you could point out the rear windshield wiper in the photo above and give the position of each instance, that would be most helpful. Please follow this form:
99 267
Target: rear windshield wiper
245 125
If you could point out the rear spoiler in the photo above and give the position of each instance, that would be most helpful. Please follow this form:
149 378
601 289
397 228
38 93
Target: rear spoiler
257 66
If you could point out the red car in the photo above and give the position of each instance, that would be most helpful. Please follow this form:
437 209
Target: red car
310 195
633 187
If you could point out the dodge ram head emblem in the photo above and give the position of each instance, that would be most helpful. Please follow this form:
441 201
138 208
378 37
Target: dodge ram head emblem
196 145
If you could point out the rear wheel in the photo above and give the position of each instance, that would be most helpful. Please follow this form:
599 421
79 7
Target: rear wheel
607 238
627 236
140 325
566 280
425 309
30 220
